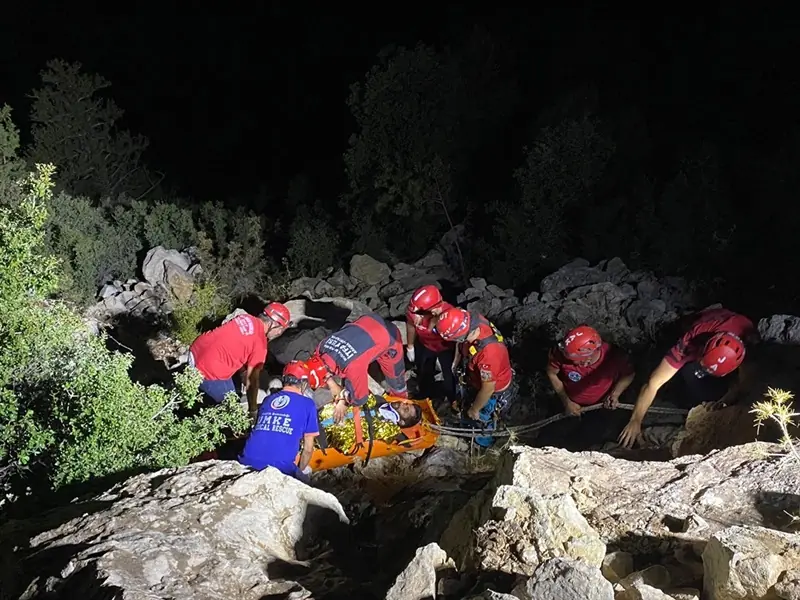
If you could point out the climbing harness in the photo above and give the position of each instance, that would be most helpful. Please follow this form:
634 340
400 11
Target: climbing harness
480 344
467 432
462 387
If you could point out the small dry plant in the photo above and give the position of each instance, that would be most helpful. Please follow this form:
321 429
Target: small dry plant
777 406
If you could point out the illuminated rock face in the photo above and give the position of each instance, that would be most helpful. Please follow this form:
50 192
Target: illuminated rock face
208 530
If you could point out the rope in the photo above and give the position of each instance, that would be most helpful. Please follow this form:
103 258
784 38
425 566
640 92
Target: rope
468 432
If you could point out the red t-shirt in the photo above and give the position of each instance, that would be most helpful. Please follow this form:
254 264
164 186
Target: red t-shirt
221 352
713 320
423 324
587 385
489 364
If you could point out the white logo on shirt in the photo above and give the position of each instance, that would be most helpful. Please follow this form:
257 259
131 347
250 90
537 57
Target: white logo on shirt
275 422
245 324
574 376
343 348
280 402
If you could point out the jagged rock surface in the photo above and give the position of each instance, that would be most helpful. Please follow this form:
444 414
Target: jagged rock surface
168 275
545 518
667 509
747 563
565 579
418 580
627 307
206 531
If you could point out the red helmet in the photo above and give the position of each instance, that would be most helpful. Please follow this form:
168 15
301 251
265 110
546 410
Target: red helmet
723 354
454 324
424 299
318 373
581 343
296 369
279 314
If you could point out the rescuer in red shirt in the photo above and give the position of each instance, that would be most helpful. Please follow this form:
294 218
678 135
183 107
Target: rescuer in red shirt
708 356
348 353
241 342
585 370
484 355
424 346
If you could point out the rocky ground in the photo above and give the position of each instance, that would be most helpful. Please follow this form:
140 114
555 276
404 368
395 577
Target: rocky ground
716 522
634 309
543 524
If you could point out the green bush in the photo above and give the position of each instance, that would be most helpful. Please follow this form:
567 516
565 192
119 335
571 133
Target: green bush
232 250
560 171
100 224
188 317
68 408
96 244
93 247
11 166
313 245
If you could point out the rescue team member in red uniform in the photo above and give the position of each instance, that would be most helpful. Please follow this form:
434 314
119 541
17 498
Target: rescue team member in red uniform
424 346
241 342
348 354
584 371
484 354
708 357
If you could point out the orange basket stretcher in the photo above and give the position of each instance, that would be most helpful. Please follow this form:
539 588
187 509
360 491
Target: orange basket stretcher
418 437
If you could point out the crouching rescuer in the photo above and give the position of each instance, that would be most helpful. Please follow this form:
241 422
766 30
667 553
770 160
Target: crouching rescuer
239 344
708 356
483 356
585 371
285 418
348 354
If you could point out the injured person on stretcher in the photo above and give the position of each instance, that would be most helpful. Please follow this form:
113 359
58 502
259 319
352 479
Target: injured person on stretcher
378 419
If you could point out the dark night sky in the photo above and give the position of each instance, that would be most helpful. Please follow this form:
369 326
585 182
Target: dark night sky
254 94
247 99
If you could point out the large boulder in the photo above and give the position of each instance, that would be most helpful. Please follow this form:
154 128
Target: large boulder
565 579
780 329
626 307
659 508
751 563
367 270
513 529
170 270
206 531
418 580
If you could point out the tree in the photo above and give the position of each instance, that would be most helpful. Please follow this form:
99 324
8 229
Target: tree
12 168
313 241
75 128
560 171
69 411
686 217
421 115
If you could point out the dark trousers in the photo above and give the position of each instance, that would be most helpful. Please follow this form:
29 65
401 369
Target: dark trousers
425 360
217 389
703 389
